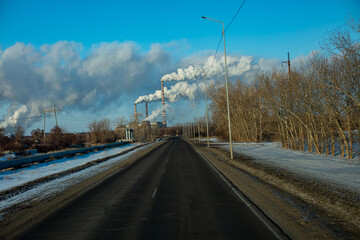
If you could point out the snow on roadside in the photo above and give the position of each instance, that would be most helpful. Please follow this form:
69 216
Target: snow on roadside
7 156
12 178
341 172
45 190
205 139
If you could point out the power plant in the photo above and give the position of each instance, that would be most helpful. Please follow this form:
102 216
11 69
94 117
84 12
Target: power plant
146 122
159 94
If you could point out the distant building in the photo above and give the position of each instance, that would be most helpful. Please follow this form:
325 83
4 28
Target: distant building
143 131
124 132
121 131
129 134
156 125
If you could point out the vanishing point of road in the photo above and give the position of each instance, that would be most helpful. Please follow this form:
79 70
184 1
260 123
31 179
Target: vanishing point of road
171 193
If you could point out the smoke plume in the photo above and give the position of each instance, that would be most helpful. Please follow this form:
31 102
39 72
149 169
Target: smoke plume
236 66
157 112
181 90
62 73
89 81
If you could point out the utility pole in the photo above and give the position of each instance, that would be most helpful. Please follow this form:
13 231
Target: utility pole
290 82
227 88
44 121
193 122
197 118
45 111
56 110
207 117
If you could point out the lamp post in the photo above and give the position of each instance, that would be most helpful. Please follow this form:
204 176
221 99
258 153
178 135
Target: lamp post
207 116
226 85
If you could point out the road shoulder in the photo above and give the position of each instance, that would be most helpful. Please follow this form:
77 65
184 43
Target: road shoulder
283 197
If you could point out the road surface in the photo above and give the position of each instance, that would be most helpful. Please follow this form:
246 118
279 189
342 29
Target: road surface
171 193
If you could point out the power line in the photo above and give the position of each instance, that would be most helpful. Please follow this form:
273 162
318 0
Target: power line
235 15
217 49
21 118
322 36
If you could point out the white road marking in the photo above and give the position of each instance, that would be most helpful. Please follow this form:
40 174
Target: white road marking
163 170
154 192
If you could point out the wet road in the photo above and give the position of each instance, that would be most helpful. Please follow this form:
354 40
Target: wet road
171 193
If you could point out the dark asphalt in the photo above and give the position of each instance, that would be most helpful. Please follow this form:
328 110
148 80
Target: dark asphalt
172 193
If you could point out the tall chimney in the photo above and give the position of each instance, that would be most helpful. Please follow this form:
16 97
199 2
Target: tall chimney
146 110
135 114
163 103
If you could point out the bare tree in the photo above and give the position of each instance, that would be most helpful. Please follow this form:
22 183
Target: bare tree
322 111
100 131
19 132
37 134
56 137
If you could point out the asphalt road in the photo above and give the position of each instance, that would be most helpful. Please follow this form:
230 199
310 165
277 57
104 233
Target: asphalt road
171 193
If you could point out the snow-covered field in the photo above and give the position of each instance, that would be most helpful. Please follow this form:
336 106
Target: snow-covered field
7 157
341 172
213 139
10 179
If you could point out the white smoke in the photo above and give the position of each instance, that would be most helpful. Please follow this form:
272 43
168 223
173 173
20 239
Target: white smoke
12 120
154 115
76 80
189 73
32 79
181 90
156 96
236 66
157 112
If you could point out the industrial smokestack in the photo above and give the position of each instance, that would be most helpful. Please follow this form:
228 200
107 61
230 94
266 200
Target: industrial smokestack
135 114
146 110
163 103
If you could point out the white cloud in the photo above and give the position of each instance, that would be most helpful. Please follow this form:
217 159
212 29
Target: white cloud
63 74
109 73
237 66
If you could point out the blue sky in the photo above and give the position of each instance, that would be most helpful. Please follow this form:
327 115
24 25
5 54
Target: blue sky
264 28
166 34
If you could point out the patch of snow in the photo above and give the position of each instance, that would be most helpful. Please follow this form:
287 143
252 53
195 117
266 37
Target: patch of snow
7 157
47 189
341 172
337 152
12 178
210 139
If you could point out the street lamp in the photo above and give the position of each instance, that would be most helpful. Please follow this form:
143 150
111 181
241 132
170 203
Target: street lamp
207 115
226 85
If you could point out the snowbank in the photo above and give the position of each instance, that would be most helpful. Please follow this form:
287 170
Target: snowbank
341 172
210 139
10 179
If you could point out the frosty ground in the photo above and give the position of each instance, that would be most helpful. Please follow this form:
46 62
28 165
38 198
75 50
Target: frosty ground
10 179
311 196
340 172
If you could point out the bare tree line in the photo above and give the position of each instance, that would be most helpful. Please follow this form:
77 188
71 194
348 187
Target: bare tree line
315 109
101 132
